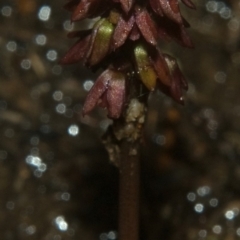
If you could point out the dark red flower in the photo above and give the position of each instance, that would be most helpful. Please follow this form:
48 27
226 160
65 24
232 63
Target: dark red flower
92 48
108 92
128 31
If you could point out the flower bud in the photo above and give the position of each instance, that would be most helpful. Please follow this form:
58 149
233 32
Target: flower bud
100 42
109 92
144 67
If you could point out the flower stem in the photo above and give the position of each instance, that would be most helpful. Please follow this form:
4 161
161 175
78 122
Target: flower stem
123 140
129 168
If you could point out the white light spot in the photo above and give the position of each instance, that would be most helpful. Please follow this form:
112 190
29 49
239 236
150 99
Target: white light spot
51 55
30 230
217 229
191 197
61 224
57 95
229 215
199 208
37 163
213 202
112 235
10 205
233 24
65 196
41 39
26 64
73 130
103 236
11 46
212 6
203 191
42 167
238 232
44 13
208 113
220 77
9 132
202 233
87 85
34 141
57 70
61 108
236 211
160 140
6 11
225 12
68 25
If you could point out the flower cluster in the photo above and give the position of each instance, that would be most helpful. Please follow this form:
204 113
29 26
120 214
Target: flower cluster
124 40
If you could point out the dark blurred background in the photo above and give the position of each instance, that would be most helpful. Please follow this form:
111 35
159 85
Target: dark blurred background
56 182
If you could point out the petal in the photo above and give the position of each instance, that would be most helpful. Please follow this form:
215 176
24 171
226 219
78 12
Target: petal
86 9
126 5
96 92
189 4
116 94
186 40
82 10
144 67
135 33
161 69
171 10
122 31
170 30
147 26
77 52
178 81
176 92
79 34
156 7
100 42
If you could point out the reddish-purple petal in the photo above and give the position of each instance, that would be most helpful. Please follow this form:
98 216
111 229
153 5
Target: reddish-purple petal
116 95
96 92
79 34
82 10
176 91
171 10
169 30
88 9
161 68
178 81
134 34
122 31
147 26
156 7
126 5
77 52
189 4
